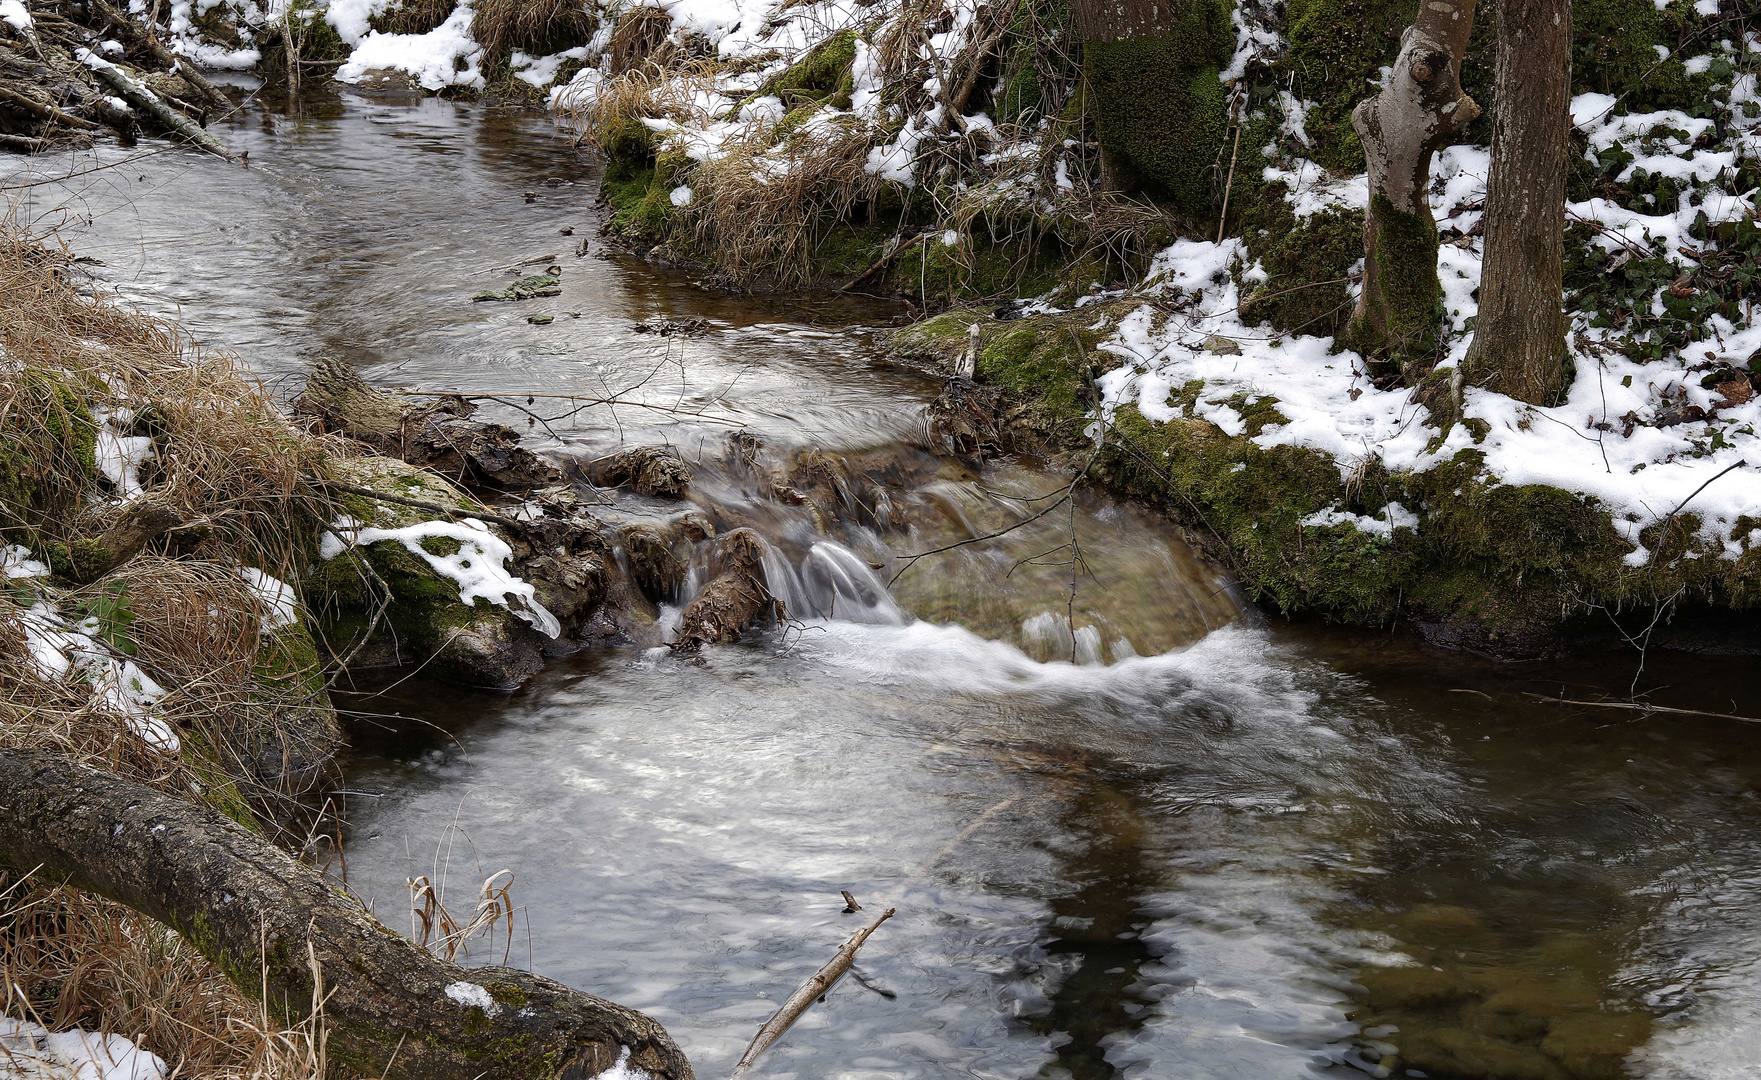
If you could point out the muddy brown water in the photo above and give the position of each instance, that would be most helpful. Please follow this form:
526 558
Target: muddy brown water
1253 849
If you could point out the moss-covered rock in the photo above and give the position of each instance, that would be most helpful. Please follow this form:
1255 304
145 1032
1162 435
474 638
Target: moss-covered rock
1158 106
823 75
380 604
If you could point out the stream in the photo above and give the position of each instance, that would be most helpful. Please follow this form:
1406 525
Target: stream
1131 828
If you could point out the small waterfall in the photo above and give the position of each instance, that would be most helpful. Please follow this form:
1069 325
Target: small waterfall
1047 636
843 586
832 582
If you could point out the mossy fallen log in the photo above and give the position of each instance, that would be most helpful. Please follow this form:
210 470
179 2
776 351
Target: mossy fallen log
280 930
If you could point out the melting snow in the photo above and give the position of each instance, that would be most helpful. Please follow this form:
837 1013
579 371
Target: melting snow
118 685
279 602
478 567
469 994
31 1052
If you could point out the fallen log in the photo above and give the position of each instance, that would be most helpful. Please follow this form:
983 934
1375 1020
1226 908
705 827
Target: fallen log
44 109
131 32
811 990
392 1009
148 102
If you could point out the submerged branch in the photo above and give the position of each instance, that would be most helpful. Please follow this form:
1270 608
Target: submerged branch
809 991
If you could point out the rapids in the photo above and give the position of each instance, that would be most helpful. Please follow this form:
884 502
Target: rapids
1131 828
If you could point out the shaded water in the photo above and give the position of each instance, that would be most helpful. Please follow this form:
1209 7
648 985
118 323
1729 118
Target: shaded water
1270 852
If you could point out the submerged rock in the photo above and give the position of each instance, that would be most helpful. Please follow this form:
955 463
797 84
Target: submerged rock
526 288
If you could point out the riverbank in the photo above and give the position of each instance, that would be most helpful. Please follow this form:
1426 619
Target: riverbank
186 570
1196 312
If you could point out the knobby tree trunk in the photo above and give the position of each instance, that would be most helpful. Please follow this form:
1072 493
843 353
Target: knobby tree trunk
1519 336
392 1009
1420 110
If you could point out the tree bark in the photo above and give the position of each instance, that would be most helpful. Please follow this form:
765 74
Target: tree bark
1519 335
392 1009
1420 110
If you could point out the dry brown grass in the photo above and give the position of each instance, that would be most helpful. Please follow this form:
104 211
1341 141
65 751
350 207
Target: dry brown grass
538 27
763 208
226 458
642 41
79 961
412 16
230 465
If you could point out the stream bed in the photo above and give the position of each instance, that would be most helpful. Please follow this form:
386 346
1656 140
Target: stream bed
1231 846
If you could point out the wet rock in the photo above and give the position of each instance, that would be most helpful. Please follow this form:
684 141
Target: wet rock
735 598
654 566
439 435
966 418
527 288
646 470
379 605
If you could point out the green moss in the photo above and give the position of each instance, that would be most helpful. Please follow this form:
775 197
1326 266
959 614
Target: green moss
822 75
641 199
1504 563
978 267
1158 106
47 455
1406 256
1337 51
219 790
1307 261
1614 51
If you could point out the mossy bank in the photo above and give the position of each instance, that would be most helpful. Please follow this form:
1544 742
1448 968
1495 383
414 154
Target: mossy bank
1512 570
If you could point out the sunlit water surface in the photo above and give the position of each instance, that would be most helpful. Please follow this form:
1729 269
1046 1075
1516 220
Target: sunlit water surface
1271 852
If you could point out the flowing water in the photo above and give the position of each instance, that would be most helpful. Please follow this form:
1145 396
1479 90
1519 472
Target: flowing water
1129 830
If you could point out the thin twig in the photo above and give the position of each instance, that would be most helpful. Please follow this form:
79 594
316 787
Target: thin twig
1642 707
810 991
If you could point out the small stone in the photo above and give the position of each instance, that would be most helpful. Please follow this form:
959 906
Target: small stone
1221 346
567 230
540 320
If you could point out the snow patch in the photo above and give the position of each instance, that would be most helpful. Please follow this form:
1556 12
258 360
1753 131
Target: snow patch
30 1051
469 994
478 567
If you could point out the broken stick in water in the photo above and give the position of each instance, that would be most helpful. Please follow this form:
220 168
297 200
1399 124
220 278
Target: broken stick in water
810 990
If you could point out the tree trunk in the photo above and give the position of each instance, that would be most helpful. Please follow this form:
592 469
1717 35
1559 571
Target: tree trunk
392 1009
1159 112
1519 335
1419 111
